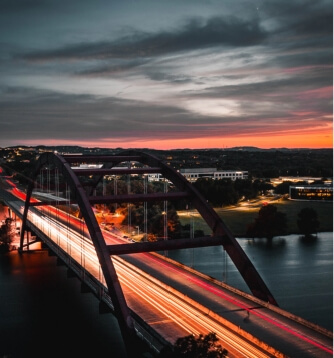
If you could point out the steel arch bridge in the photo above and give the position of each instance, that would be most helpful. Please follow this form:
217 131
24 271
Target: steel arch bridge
148 164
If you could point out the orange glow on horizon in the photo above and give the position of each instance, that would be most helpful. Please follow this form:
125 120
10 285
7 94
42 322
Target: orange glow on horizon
264 142
313 140
307 139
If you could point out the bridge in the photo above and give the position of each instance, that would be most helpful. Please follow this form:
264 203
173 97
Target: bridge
154 299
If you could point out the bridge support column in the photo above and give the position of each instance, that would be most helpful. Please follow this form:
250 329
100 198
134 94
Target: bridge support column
25 240
28 236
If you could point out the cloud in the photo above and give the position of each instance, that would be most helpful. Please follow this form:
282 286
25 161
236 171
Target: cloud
305 17
126 72
196 34
297 79
117 67
20 5
36 115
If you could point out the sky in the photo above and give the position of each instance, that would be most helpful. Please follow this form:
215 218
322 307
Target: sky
167 74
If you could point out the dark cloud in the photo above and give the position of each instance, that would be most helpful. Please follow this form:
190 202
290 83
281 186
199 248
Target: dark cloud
28 113
114 68
196 34
20 5
40 114
293 84
302 22
176 79
306 17
83 70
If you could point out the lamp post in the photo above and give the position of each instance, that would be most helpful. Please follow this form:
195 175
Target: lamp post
164 215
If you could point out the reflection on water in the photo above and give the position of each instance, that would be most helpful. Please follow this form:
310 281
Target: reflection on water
298 272
44 314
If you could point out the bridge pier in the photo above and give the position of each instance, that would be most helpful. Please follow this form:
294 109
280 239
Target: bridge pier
10 212
27 236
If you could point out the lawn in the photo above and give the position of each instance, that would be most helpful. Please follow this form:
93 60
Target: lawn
239 217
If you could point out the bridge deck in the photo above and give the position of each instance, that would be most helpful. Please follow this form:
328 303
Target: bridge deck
290 335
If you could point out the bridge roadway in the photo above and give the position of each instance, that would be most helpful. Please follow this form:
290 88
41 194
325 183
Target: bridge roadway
175 300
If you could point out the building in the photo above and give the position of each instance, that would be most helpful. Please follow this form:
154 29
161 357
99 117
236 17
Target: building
308 180
311 192
211 173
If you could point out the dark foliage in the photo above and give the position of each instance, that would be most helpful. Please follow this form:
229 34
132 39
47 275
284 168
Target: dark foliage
268 224
308 222
192 347
227 192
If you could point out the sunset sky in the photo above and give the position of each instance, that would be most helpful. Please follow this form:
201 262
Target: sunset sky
167 74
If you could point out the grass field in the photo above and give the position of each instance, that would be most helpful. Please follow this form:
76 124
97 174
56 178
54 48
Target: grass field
237 218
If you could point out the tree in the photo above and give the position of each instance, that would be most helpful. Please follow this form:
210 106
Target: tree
192 347
268 224
283 188
7 233
217 192
261 186
308 222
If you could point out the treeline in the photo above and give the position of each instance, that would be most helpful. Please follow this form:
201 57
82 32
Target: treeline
259 163
225 192
218 193
270 222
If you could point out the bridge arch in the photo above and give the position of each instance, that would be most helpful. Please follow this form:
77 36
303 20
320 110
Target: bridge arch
221 235
114 289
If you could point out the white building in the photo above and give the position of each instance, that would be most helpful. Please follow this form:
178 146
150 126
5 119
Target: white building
212 173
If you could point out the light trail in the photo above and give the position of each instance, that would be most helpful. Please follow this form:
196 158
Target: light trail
80 246
240 304
181 312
